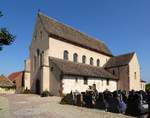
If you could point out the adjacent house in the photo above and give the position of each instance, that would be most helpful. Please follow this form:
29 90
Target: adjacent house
63 59
143 85
6 86
18 79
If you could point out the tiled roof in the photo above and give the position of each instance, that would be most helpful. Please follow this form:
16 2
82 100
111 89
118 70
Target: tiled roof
78 69
70 34
15 75
143 81
5 82
120 60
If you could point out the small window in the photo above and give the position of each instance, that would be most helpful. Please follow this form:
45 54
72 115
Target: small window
75 57
41 35
91 61
14 82
34 63
76 79
102 82
113 72
107 81
85 80
135 75
34 37
41 59
52 68
66 55
83 59
98 62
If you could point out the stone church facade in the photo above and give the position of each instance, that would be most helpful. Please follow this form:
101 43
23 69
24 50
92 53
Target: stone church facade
63 59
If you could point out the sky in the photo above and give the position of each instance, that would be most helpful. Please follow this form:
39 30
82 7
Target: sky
124 26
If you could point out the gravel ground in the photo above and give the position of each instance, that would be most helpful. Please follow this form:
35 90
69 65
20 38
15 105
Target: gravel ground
33 106
4 109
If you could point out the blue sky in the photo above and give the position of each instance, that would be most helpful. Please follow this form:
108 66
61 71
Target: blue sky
124 25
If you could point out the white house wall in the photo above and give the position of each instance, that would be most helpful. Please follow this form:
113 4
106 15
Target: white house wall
57 48
143 84
70 84
27 74
27 80
135 83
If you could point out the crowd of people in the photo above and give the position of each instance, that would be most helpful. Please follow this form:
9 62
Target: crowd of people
133 103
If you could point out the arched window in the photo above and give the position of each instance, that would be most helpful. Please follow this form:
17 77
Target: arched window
75 57
98 62
135 75
34 63
91 61
41 35
66 55
83 59
107 81
41 59
38 52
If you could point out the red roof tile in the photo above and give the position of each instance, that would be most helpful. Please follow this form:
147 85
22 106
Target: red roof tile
15 75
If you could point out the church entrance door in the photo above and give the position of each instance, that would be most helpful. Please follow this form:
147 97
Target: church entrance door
37 86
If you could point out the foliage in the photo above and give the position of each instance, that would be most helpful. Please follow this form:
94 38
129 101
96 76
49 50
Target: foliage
46 94
8 87
67 99
148 87
27 91
6 38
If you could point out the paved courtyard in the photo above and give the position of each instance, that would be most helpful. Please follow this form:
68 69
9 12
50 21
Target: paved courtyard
33 106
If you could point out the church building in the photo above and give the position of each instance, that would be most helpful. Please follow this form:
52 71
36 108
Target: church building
63 59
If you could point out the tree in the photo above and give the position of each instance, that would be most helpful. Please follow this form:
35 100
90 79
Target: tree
6 38
148 87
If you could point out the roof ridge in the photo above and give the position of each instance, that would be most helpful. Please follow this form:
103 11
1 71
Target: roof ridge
80 65
126 54
83 33
7 79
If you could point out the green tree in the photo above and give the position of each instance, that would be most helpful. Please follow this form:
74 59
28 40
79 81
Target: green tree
148 87
6 38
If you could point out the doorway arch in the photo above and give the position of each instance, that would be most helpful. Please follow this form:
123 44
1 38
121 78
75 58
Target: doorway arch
38 88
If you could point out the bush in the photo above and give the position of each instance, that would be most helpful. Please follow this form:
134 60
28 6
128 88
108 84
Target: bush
148 87
67 99
27 91
46 94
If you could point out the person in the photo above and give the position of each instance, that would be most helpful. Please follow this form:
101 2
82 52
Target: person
75 98
148 101
101 102
134 106
113 102
122 105
94 94
88 99
124 96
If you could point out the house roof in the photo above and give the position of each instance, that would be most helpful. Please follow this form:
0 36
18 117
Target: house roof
120 60
78 69
15 75
143 81
72 35
5 82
